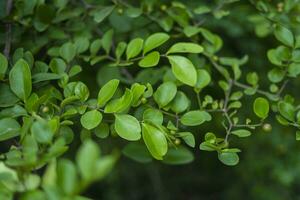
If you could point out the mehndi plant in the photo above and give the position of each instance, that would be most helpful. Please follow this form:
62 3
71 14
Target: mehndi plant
160 71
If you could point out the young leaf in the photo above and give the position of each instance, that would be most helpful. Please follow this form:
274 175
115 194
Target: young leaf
20 79
107 92
134 47
127 127
183 69
185 47
195 118
261 107
91 119
120 104
155 141
165 93
155 40
188 138
150 60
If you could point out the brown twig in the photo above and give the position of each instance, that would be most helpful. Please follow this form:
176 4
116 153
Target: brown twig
7 47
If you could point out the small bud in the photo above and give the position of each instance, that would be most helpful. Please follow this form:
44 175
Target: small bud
144 100
215 58
172 132
267 127
177 141
45 109
120 11
163 7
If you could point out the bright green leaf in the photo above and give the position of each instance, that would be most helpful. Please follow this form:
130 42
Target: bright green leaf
127 127
20 79
91 119
183 69
261 107
150 60
195 118
155 40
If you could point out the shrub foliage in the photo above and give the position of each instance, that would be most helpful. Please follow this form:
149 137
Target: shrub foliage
166 81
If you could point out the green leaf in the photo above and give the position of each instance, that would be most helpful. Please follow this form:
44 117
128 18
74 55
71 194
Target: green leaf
137 152
66 176
185 47
150 60
155 40
3 66
294 69
229 158
81 44
107 92
42 131
103 13
120 104
67 51
121 47
39 77
188 138
297 135
127 127
137 92
261 107
133 12
134 47
155 141
81 91
178 156
241 133
276 75
165 93
287 110
203 79
102 131
91 119
195 118
57 65
7 97
153 116
9 128
284 35
180 102
183 69
86 159
107 40
20 79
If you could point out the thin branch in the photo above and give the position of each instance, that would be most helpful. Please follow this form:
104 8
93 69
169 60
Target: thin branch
6 51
